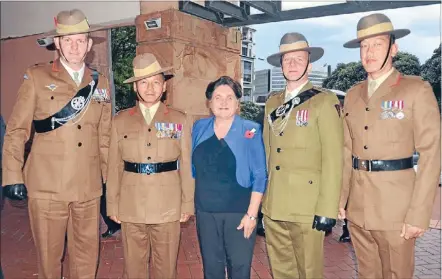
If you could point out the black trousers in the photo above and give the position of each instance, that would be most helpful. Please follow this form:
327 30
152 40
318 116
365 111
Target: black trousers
223 245
111 225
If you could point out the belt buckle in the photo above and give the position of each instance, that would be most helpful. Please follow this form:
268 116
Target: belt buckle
365 165
149 169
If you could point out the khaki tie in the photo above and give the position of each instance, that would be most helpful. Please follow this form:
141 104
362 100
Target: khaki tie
371 88
76 78
147 116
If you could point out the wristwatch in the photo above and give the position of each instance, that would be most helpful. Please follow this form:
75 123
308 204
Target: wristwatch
251 217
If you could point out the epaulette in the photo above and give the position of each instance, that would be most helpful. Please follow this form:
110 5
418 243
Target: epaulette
274 93
176 109
41 64
419 78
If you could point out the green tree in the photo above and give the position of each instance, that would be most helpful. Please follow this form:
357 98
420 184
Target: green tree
123 52
251 111
431 72
347 75
407 64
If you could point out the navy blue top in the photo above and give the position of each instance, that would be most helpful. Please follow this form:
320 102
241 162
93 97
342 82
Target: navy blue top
216 186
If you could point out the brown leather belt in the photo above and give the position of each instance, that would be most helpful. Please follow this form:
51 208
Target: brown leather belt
382 165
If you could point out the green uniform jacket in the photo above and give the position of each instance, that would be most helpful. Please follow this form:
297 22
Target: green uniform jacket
305 162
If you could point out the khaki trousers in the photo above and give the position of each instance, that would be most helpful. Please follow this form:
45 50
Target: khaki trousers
295 250
382 254
158 241
49 220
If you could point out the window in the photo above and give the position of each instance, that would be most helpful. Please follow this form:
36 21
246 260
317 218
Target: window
244 51
247 71
247 91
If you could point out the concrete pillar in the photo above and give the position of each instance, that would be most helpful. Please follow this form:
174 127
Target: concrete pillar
199 50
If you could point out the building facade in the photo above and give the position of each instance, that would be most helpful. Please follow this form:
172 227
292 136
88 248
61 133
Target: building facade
247 63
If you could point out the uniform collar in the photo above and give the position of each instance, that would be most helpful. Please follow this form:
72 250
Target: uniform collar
71 72
294 92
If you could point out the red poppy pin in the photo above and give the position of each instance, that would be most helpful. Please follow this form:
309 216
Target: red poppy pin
250 133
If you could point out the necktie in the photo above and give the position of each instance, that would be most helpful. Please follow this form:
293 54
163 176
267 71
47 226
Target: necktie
147 116
371 88
77 78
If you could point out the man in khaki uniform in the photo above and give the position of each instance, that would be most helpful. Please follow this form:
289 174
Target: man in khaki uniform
388 117
150 186
304 140
69 105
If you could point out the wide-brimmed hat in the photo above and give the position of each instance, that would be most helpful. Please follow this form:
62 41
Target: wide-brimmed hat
70 23
375 25
146 65
294 42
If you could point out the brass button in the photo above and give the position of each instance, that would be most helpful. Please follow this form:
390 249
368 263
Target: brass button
148 158
52 97
125 136
149 130
365 147
310 182
148 144
79 127
367 109
346 114
366 127
278 150
80 144
278 168
281 134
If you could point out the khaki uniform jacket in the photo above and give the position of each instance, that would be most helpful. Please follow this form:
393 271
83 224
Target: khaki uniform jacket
156 198
385 200
66 164
304 163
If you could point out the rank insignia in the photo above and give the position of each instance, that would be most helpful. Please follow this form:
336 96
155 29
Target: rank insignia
51 87
302 118
392 110
169 130
100 95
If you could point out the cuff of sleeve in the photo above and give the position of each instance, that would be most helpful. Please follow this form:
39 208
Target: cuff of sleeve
111 209
188 207
423 223
12 178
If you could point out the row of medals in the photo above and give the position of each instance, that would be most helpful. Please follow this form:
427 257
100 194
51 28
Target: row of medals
392 114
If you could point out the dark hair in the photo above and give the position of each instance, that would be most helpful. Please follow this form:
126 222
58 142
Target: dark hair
224 80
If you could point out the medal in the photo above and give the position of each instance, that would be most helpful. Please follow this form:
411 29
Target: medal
384 115
400 115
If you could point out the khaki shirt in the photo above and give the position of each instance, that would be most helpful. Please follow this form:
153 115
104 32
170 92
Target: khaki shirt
155 198
385 200
66 164
304 163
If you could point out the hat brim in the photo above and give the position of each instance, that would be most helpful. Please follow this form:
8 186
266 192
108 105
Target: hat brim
92 28
397 33
315 54
163 70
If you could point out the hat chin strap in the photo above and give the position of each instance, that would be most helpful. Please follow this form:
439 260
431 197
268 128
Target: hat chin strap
388 53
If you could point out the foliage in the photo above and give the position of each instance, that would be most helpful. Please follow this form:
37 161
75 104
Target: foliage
347 75
251 111
431 72
407 64
123 52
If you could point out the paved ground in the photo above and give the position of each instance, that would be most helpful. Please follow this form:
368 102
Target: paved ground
18 255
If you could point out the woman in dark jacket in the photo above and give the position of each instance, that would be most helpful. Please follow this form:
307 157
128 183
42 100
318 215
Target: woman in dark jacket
229 168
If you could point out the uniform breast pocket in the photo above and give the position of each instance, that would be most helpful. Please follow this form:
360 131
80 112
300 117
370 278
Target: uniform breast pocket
398 130
129 143
350 121
168 148
93 112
